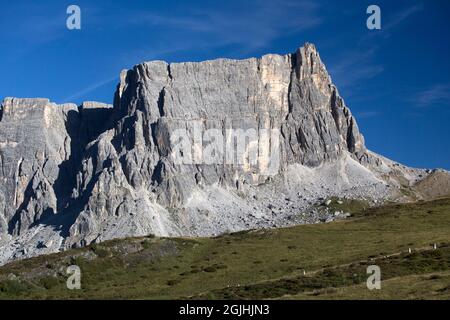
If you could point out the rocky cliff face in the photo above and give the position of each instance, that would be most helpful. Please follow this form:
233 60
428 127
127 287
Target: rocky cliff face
36 145
292 94
187 149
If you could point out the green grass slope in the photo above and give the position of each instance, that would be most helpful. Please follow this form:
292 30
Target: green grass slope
322 261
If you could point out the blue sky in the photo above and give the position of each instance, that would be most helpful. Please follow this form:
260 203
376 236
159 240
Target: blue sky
395 80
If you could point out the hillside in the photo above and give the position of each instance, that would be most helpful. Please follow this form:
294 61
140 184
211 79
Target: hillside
259 264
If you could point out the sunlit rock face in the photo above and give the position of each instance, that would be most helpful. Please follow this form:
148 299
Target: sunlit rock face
186 149
35 157
291 94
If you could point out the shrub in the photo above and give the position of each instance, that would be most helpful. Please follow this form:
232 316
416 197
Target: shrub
100 251
210 269
13 287
49 282
173 282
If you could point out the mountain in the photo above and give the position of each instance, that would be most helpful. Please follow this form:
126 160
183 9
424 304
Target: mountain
188 149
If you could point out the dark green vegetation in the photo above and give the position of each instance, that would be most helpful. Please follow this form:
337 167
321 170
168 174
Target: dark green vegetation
326 281
259 264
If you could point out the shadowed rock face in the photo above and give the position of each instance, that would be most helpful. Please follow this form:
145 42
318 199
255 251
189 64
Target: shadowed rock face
95 172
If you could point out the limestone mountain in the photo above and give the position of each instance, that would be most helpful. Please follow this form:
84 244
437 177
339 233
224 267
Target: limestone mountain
72 175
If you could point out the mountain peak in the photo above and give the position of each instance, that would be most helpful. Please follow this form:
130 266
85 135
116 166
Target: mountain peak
189 149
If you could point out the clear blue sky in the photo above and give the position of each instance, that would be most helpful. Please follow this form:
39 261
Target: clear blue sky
395 80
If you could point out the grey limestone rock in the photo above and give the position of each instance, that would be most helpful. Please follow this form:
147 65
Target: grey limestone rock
35 158
75 175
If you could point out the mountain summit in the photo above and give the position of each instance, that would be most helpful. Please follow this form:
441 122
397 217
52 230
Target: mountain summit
187 149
